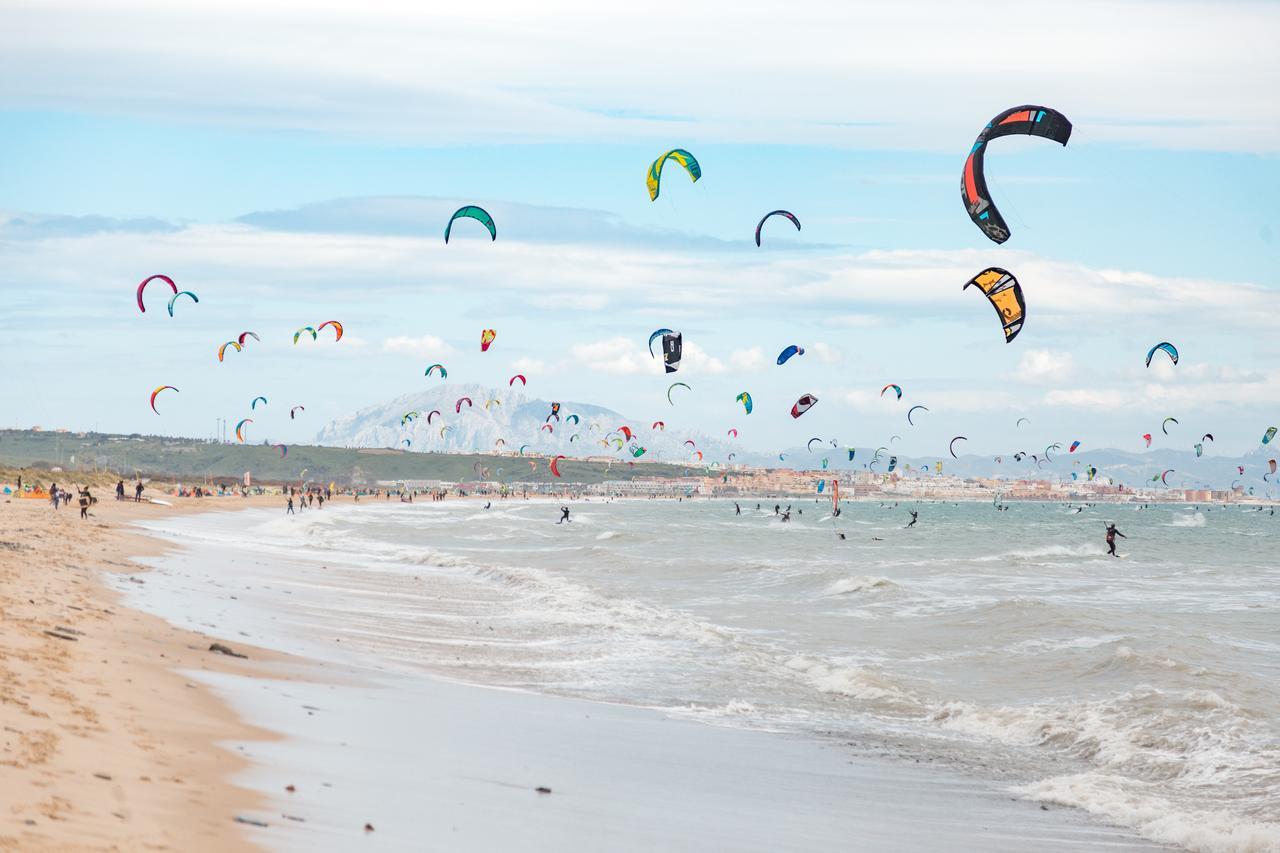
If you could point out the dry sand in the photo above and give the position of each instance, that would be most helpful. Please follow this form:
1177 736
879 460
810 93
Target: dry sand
104 745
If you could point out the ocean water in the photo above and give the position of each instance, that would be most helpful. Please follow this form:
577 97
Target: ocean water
1145 690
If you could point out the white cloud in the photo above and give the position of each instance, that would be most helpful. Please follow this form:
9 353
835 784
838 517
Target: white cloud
695 360
825 353
1039 365
1197 75
529 365
748 359
617 355
424 346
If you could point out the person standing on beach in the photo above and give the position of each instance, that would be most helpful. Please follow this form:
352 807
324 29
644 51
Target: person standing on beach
120 490
85 497
1112 533
289 511
137 492
564 515
53 494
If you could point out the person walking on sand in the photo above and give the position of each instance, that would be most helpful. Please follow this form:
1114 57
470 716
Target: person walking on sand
290 511
564 515
53 494
137 493
915 516
120 490
85 497
1112 533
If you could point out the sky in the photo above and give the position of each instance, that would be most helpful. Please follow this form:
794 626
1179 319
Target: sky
292 163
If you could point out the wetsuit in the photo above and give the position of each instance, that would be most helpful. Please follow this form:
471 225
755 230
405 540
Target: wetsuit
1112 533
564 515
915 516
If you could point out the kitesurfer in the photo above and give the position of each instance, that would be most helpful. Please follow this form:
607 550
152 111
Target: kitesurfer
737 510
564 515
915 516
289 511
488 504
1112 533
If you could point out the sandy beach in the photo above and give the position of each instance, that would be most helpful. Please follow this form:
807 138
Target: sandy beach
106 745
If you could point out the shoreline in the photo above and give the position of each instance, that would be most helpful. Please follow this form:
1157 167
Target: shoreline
106 743
419 755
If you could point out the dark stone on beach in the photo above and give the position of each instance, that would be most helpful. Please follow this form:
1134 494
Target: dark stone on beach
104 776
543 790
225 650
250 820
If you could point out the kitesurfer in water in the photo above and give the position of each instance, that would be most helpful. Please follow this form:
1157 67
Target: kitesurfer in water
1112 533
564 515
487 504
737 510
915 516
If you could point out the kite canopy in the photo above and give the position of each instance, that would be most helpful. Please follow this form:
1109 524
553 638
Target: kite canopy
486 338
337 328
789 352
674 386
444 374
952 446
479 214
520 376
1164 427
222 350
294 411
804 404
745 399
1005 295
147 281
912 410
1029 120
173 301
896 388
240 429
657 333
788 214
298 333
654 179
157 391
254 404
672 349
1166 347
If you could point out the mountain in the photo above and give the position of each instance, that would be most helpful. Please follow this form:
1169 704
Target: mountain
516 419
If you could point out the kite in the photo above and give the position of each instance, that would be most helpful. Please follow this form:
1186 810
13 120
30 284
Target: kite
896 388
1147 438
1208 436
147 281
444 374
654 179
432 414
809 446
222 350
852 453
445 429
1164 478
911 410
520 376
1020 420
786 354
804 404
407 417
555 411
157 391
1167 347
254 404
1005 295
1047 455
1030 120
240 429
337 328
689 442
174 300
893 463
298 333
574 418
486 339
549 428
659 425
732 432
295 410
1074 445
555 465
951 448
626 430
672 347
674 386
479 214
458 407
1199 450
284 450
244 335
489 403
1268 435
1164 427
745 399
522 447
653 337
786 213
